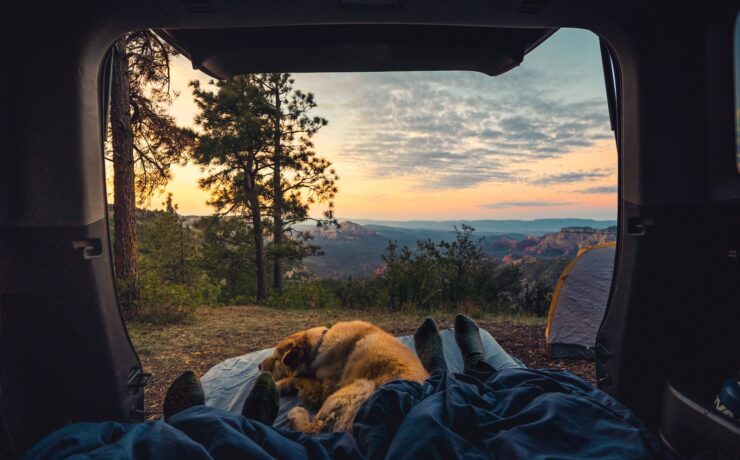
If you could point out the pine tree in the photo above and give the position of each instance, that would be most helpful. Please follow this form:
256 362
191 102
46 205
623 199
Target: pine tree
233 151
300 177
145 142
125 249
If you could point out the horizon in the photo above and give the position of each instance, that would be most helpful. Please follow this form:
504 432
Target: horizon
534 143
442 221
356 219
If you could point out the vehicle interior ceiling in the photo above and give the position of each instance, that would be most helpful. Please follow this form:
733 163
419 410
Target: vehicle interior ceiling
669 337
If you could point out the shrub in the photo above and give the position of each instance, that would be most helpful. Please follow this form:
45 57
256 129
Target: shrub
536 299
450 276
359 294
304 295
166 303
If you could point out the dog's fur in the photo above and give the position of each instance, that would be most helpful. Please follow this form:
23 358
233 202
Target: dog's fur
336 369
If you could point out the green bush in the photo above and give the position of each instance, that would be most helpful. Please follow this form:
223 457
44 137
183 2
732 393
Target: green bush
456 276
226 254
536 299
449 276
239 299
165 303
359 294
304 295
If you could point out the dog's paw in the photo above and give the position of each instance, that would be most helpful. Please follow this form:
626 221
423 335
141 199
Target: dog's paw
299 418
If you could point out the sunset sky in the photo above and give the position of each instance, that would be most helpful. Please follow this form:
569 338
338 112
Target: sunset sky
534 142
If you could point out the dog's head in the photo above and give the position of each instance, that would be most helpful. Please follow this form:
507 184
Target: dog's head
293 355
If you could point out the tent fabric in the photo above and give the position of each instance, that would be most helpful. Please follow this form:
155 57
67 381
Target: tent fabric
579 302
512 413
227 384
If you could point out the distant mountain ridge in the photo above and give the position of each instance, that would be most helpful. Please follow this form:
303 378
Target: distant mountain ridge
355 250
564 243
527 227
346 230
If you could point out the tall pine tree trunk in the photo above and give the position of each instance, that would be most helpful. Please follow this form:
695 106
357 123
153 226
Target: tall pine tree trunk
259 250
124 196
277 238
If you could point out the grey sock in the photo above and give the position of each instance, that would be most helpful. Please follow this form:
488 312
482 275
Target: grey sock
184 392
467 336
428 344
263 401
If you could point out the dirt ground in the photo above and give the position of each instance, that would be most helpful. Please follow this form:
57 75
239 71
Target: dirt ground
218 333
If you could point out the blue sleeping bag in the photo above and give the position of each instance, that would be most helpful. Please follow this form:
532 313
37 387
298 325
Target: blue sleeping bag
227 384
514 412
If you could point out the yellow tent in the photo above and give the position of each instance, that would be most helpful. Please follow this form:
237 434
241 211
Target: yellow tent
579 302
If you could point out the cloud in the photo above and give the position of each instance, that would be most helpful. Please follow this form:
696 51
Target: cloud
600 189
460 129
526 204
571 177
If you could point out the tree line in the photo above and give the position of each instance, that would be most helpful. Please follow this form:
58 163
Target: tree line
452 275
209 260
253 142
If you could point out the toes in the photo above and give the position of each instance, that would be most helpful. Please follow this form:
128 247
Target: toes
464 325
427 327
184 392
265 380
428 323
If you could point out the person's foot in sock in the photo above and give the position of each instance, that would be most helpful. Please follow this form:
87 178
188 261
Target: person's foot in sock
184 392
428 344
263 401
467 336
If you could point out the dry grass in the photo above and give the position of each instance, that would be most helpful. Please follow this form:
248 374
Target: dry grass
218 333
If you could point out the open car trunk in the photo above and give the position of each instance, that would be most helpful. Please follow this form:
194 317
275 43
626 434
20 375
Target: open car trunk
669 336
223 53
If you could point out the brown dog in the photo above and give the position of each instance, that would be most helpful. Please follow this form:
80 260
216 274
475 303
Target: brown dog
336 369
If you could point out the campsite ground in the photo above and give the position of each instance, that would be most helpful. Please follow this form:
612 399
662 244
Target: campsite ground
218 333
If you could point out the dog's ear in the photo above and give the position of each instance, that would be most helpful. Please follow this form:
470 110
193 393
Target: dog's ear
295 355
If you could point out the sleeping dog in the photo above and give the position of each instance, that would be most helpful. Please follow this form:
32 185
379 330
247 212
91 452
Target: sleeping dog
336 369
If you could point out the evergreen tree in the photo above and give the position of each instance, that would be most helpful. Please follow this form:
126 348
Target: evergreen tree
460 259
227 256
145 142
167 248
300 177
233 151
